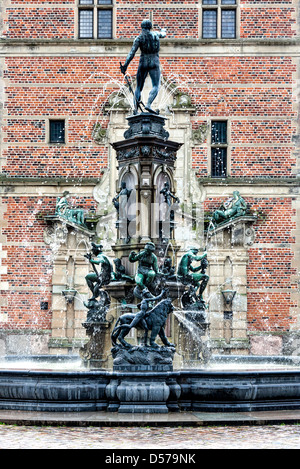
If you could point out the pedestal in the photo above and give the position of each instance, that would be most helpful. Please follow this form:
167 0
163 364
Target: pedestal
95 353
143 383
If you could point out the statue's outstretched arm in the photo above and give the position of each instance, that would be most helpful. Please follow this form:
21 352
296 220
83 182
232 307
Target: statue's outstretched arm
199 258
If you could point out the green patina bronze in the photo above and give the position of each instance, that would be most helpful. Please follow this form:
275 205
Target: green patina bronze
149 44
233 207
190 275
120 272
65 210
95 280
147 266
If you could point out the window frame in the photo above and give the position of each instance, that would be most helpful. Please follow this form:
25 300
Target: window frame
213 146
219 7
95 7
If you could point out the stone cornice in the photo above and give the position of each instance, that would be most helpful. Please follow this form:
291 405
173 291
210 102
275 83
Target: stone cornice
278 181
59 181
204 181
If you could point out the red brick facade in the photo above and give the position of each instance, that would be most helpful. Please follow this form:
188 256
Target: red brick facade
181 18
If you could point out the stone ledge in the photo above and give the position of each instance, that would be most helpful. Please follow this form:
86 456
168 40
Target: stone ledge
60 181
294 181
165 42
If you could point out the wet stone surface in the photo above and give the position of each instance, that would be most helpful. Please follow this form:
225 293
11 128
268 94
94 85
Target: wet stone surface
176 438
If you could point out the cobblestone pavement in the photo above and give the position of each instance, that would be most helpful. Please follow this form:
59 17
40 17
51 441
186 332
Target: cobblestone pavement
175 438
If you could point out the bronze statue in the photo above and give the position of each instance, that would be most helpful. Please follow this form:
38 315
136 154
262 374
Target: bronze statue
121 200
97 279
190 275
167 212
168 196
65 210
120 273
97 309
149 45
147 299
168 270
147 266
154 320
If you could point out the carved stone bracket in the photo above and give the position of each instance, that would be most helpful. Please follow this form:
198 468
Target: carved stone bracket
199 135
182 100
60 225
236 232
128 153
99 134
159 153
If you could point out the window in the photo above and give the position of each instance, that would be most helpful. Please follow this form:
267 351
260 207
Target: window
57 131
95 19
219 144
219 19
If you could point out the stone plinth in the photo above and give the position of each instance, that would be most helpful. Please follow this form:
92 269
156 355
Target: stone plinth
146 123
150 388
141 358
95 353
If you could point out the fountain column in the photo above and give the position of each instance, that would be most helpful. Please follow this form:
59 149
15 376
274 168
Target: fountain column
142 155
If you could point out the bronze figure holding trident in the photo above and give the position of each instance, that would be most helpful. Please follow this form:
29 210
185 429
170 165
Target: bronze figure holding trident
149 45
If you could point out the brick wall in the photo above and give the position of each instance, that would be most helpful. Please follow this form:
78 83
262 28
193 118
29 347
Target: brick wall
29 264
40 23
236 88
270 274
28 261
55 19
268 22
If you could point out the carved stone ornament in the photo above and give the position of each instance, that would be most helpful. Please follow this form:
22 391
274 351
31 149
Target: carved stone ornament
99 134
249 236
182 100
101 190
146 151
199 135
55 235
126 154
166 155
118 100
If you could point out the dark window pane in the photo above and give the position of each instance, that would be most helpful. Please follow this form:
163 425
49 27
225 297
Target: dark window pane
228 2
219 132
209 2
209 24
86 2
104 2
57 131
228 24
219 162
85 23
104 24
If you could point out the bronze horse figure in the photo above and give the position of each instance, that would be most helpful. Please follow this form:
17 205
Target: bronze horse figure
155 321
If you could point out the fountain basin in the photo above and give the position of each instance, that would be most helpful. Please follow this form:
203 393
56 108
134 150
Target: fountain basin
229 384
